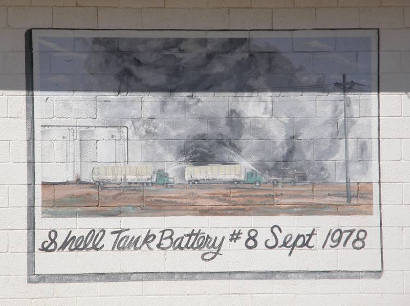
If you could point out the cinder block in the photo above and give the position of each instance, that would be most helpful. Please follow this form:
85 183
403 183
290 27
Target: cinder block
250 19
78 107
334 62
296 106
106 150
3 241
272 3
121 108
235 128
3 106
243 109
53 2
112 3
369 105
275 129
392 40
405 149
391 193
316 3
76 289
393 82
12 129
14 38
13 62
69 63
47 151
359 3
18 235
56 133
120 289
54 301
4 200
337 17
18 266
277 299
396 260
395 171
4 151
314 299
55 172
75 17
103 133
61 151
396 215
163 108
263 42
386 17
185 18
390 149
18 151
55 44
390 62
229 3
390 105
15 2
16 106
389 127
303 150
142 3
393 237
294 18
16 173
312 128
303 42
395 3
88 150
185 3
359 171
18 196
406 194
134 151
14 287
405 105
404 62
3 17
407 17
334 149
44 107
363 127
119 18
367 149
207 107
28 17
407 274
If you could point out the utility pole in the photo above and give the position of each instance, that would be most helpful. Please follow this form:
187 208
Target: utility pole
348 192
345 86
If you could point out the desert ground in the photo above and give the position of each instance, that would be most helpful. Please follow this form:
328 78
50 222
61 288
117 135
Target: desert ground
86 200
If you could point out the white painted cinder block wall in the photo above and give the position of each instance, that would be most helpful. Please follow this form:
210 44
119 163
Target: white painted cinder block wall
391 16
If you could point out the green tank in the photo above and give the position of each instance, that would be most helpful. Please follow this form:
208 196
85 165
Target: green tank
252 177
163 178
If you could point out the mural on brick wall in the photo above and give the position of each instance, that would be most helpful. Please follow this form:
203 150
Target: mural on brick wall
215 125
182 154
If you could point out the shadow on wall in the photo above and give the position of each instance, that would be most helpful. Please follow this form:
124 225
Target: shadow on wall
268 102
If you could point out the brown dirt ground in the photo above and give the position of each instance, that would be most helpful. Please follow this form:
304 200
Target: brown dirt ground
68 200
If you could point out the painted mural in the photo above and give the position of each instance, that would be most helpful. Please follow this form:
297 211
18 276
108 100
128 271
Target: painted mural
207 123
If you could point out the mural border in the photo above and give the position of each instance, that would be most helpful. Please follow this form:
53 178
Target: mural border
32 277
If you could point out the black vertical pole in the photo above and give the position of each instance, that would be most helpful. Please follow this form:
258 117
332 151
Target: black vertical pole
348 191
